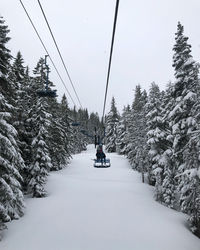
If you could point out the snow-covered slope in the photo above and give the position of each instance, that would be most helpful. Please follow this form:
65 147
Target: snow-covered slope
98 209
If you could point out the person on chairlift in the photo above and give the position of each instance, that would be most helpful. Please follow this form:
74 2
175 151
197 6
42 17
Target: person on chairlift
100 154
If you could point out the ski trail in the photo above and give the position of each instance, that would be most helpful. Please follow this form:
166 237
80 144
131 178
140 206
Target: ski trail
98 209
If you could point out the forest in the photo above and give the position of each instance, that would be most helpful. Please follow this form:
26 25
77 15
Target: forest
37 134
158 133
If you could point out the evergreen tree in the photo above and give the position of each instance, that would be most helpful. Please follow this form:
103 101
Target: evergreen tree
156 139
95 123
20 78
168 161
5 67
41 161
39 123
79 141
60 134
5 55
112 120
128 125
133 127
190 185
185 148
190 179
137 151
18 68
11 162
122 134
66 123
184 92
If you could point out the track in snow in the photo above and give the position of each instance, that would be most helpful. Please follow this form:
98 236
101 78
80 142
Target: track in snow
98 209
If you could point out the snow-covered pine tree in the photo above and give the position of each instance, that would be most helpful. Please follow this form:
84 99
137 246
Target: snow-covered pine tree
20 80
142 159
83 118
190 189
190 179
11 162
182 120
5 67
128 125
133 128
41 164
66 123
4 51
18 68
184 93
94 122
39 122
15 96
169 183
112 120
156 139
11 197
79 141
122 131
136 148
60 134
25 127
120 136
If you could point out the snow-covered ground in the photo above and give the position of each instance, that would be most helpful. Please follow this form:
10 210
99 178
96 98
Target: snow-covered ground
98 209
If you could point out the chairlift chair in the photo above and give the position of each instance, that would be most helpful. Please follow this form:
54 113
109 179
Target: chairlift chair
75 124
102 163
47 93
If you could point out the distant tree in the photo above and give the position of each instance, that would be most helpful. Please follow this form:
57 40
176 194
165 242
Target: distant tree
79 140
122 135
112 120
60 134
18 68
66 123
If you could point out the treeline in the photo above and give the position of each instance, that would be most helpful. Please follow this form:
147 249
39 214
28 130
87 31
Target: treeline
36 133
160 135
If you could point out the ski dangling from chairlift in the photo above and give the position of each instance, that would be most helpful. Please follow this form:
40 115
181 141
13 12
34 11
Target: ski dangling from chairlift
47 92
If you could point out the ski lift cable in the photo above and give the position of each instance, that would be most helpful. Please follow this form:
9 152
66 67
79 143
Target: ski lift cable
53 37
111 52
47 51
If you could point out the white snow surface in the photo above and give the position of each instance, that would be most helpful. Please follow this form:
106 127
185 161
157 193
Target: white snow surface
91 208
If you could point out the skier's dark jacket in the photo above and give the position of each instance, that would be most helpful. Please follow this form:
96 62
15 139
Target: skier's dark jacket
100 155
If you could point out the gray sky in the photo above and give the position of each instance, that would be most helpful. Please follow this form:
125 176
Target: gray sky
83 28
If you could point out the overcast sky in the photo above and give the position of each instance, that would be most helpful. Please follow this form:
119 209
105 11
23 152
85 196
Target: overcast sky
83 28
